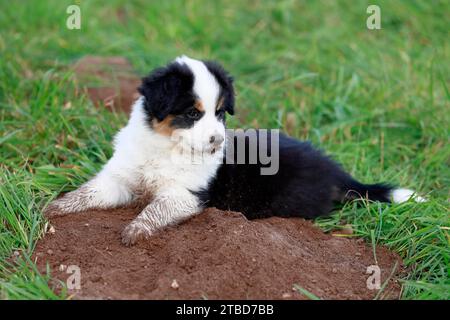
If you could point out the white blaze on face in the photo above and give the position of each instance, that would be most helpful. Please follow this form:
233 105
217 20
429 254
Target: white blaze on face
207 91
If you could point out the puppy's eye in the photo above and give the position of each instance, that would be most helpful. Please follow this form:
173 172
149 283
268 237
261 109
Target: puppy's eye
193 114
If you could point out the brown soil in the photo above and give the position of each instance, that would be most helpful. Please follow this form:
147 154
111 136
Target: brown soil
108 81
215 255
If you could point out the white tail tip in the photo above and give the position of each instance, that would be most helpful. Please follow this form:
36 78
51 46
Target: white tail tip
403 195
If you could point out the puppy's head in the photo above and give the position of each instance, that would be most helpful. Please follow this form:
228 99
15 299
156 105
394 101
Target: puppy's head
189 98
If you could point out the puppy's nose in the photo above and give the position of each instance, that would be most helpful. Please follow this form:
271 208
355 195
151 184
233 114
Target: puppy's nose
216 139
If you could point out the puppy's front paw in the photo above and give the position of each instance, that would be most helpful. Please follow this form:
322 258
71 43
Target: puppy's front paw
53 209
134 232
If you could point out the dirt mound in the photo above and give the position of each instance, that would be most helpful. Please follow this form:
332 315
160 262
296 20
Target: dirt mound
215 255
108 81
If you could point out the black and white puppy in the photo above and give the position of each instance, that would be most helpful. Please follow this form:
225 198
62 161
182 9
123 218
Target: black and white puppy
186 101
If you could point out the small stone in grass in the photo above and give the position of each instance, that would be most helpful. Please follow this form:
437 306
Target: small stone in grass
62 267
286 295
16 253
51 230
67 105
175 284
50 251
86 225
347 229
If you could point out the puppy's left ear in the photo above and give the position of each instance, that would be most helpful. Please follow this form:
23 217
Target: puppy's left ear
163 87
226 83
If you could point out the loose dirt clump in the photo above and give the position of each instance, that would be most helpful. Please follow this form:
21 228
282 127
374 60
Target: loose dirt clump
215 255
108 81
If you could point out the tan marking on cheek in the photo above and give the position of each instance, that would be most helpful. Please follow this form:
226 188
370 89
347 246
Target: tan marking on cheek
220 103
199 106
163 127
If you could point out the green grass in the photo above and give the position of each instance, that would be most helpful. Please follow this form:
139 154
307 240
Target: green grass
378 101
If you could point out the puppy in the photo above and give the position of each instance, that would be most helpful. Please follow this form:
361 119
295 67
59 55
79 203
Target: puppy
179 117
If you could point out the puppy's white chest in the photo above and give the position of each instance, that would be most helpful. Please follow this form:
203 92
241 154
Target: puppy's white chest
167 172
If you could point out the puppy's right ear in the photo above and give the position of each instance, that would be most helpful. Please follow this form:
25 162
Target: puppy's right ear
162 88
225 81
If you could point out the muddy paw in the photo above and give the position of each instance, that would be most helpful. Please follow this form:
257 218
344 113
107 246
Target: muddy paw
53 210
133 233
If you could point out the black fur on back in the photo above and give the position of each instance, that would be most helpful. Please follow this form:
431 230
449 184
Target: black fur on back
307 184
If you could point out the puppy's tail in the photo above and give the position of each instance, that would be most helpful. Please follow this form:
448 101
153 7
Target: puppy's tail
351 189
